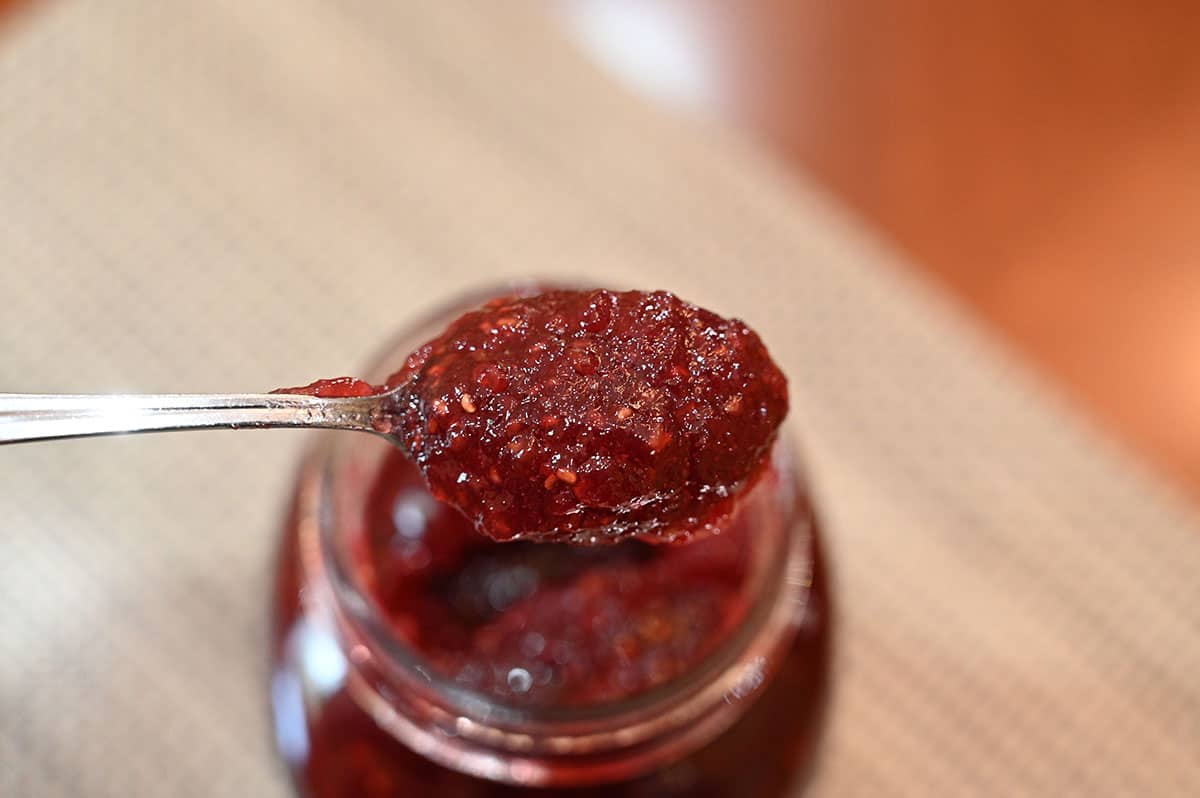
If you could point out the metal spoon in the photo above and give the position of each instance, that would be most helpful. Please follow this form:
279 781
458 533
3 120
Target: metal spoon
35 417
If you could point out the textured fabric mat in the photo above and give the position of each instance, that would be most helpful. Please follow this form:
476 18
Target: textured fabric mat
235 195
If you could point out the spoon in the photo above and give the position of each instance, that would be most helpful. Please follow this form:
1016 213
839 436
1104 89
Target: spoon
581 416
38 417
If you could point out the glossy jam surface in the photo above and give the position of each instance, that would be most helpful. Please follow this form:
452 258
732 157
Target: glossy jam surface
591 416
533 623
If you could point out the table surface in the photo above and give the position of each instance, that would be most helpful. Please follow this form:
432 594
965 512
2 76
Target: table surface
235 195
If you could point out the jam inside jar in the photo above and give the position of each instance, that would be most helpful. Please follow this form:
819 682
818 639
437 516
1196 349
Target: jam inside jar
413 656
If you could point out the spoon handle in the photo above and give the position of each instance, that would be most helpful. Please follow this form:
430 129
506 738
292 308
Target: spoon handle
33 417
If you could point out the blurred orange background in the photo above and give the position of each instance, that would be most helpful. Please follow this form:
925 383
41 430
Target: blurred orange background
1037 160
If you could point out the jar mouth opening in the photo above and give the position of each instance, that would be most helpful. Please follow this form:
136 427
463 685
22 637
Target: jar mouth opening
774 569
782 561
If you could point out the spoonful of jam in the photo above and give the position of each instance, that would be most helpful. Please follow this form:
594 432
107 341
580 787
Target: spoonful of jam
580 416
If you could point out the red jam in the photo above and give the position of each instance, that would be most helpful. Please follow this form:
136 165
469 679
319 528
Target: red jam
591 416
586 416
333 388
504 619
580 417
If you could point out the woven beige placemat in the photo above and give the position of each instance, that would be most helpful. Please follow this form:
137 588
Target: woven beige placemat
233 195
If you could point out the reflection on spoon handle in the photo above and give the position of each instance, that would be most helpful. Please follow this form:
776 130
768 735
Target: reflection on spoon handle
33 417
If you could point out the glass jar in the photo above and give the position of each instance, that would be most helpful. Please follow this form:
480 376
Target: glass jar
412 656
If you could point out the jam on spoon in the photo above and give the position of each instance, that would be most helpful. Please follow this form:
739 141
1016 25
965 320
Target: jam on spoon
586 416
